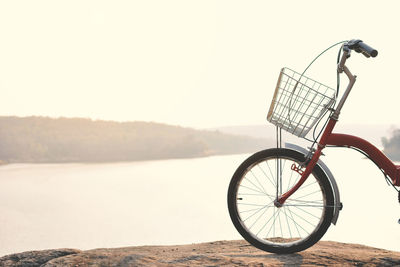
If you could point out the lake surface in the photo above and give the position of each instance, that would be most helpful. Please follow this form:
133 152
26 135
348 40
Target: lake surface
179 201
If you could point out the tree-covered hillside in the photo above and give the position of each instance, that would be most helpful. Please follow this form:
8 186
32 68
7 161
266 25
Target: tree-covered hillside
42 139
392 145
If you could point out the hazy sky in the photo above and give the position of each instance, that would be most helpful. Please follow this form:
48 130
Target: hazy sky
191 63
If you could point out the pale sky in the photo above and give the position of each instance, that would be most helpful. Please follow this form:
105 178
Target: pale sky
190 63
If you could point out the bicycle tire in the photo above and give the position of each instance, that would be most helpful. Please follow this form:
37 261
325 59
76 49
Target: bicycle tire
319 204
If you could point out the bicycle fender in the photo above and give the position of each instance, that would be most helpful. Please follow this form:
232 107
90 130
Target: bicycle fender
322 165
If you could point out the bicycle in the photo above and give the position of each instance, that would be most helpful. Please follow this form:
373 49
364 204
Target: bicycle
283 200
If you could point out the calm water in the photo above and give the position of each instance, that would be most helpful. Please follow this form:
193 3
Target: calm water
167 202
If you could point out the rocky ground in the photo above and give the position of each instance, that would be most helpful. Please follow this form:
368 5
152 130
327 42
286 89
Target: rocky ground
220 253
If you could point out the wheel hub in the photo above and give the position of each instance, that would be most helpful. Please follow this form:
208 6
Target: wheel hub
277 203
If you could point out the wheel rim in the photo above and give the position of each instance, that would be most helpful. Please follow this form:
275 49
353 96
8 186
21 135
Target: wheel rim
299 217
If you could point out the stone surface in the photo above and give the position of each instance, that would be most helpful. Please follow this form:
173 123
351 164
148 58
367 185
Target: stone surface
35 258
220 253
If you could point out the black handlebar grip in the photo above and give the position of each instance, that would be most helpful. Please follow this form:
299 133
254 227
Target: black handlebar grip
367 50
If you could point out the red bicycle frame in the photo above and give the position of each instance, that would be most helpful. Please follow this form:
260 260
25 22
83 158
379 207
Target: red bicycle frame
344 140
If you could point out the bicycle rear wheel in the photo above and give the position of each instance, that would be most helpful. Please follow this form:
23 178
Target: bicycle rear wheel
300 222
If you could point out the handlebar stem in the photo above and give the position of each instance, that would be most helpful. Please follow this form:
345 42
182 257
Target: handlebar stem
345 56
352 80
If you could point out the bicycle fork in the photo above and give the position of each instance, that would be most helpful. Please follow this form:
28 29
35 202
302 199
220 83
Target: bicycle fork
310 166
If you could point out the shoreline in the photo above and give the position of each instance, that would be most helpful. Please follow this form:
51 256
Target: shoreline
4 163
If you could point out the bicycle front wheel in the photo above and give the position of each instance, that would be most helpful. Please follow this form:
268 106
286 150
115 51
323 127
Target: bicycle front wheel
300 222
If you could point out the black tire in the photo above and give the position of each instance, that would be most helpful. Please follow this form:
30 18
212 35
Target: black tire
250 199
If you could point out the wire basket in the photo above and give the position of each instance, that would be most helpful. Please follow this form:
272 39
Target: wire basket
299 102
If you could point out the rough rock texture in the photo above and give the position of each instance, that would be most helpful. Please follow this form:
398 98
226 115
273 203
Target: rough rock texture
221 253
35 258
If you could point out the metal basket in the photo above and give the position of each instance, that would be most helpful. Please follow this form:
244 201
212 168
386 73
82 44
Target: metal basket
299 102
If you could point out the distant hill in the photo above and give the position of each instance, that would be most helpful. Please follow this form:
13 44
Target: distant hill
266 130
42 139
370 132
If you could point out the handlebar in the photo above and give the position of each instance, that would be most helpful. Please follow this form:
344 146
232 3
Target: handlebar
361 47
358 46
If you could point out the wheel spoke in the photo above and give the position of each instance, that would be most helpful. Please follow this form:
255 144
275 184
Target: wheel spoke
270 171
258 165
266 206
307 221
249 204
292 212
258 218
252 189
299 205
305 203
244 211
258 182
306 212
310 194
242 194
305 186
287 221
295 223
261 190
319 201
274 221
280 224
273 224
282 168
